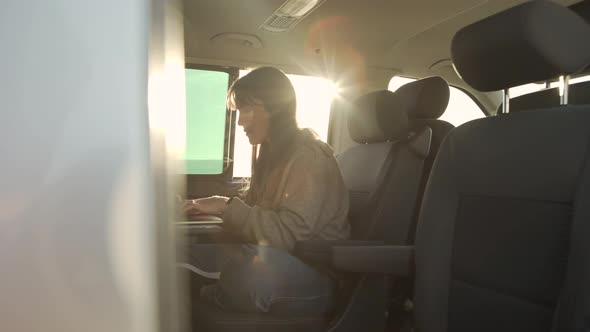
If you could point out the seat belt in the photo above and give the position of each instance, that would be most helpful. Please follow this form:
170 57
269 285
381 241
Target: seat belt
400 307
416 149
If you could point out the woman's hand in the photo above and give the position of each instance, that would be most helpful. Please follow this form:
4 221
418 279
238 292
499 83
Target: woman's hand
214 205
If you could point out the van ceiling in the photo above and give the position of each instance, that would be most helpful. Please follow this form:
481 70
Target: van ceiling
403 36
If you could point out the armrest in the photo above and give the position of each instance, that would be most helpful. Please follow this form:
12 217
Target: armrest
320 251
204 217
392 260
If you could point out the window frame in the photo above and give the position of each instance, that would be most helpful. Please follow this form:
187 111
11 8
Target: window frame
230 129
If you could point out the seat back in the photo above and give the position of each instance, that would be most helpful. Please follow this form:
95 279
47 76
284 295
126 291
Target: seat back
502 236
495 228
426 101
383 172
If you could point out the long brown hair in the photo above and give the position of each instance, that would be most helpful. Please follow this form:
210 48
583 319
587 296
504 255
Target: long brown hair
272 88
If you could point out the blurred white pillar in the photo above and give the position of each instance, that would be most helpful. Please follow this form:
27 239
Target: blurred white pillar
85 171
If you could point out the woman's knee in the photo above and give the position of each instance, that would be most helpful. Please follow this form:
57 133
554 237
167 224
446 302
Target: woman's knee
270 280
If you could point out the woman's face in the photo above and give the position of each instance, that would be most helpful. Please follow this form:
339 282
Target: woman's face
255 121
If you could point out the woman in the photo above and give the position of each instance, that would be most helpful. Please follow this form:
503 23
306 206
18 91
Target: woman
296 193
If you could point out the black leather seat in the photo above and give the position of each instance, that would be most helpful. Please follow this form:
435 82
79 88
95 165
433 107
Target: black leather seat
426 99
502 241
382 175
505 221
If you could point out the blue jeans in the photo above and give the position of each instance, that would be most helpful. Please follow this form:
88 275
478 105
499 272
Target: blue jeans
255 278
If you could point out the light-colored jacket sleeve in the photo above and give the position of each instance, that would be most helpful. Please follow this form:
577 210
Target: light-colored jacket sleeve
311 198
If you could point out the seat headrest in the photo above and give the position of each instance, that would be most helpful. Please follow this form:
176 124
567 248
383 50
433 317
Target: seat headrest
532 42
426 98
378 117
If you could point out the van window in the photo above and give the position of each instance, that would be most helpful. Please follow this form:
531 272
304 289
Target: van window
462 108
206 121
525 89
314 97
534 87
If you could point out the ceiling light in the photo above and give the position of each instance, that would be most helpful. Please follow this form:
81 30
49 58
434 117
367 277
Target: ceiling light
289 14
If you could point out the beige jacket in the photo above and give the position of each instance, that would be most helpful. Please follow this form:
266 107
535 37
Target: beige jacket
305 199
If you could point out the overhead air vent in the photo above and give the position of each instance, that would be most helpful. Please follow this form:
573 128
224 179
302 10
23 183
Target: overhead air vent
289 14
279 23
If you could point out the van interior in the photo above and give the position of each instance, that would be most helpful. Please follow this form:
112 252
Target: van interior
468 198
